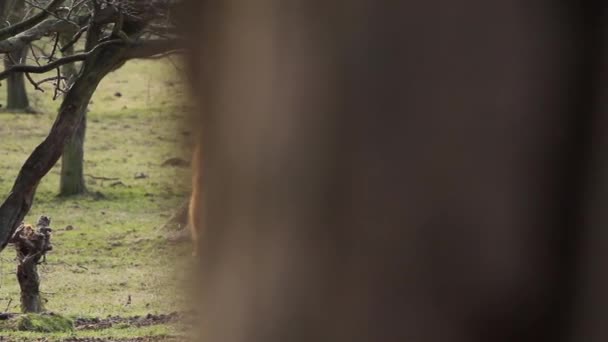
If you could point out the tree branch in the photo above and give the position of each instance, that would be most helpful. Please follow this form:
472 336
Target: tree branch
31 22
35 69
74 38
50 25
34 33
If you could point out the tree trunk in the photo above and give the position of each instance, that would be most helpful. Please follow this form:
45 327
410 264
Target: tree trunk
29 283
16 99
72 163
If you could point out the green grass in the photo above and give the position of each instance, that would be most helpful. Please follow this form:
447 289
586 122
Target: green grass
122 333
115 250
44 323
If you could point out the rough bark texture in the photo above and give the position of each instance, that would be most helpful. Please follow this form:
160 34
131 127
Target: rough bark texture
31 245
72 163
72 180
17 99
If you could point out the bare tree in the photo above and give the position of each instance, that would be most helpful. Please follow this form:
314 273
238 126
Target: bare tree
115 32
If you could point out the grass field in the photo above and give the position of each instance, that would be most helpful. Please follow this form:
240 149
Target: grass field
113 261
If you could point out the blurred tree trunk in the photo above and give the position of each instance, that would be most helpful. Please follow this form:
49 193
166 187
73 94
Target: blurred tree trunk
397 170
17 99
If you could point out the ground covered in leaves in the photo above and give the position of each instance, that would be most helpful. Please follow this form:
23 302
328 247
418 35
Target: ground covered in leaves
112 271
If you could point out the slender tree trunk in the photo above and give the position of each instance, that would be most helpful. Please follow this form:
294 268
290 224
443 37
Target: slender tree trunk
72 161
16 99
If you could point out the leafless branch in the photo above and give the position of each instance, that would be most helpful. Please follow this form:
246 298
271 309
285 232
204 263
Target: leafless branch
34 69
33 83
52 14
31 22
52 55
74 7
75 38
34 55
57 85
50 79
34 33
55 64
54 25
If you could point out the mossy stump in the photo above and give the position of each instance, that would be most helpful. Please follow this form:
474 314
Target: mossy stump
45 323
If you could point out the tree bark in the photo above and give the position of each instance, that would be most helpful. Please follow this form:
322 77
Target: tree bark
29 283
72 163
72 180
16 99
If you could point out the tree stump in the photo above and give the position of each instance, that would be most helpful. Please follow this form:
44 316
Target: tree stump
31 245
